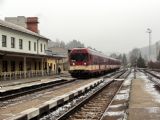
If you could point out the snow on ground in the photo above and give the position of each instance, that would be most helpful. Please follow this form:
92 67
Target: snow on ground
156 73
116 106
128 80
150 87
124 93
117 113
122 96
153 109
117 110
55 114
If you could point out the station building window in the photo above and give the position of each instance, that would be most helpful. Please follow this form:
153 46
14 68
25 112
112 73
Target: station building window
54 67
45 65
34 46
51 65
12 42
44 47
41 47
29 65
29 45
39 65
20 66
35 65
4 41
20 44
4 66
13 65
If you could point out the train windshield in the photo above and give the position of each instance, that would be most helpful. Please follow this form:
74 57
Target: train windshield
79 57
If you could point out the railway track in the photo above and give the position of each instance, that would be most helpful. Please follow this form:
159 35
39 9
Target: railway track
34 92
35 88
117 109
94 104
8 95
157 80
31 89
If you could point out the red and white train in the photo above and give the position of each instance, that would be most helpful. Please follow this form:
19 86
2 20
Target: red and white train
89 62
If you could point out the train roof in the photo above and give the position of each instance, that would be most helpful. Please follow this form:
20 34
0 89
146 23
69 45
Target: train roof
97 53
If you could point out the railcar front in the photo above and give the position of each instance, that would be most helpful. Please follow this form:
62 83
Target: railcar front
85 62
79 62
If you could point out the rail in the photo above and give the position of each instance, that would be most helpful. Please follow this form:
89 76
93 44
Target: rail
154 80
86 100
30 89
125 75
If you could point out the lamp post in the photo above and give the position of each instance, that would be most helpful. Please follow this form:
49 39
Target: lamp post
149 31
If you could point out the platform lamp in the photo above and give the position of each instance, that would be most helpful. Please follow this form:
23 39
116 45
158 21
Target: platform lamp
149 31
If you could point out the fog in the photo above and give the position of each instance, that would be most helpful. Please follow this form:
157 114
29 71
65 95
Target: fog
107 25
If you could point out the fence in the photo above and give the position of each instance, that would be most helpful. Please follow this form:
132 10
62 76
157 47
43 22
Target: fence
24 74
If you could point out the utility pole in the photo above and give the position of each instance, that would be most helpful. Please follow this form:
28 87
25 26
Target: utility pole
149 31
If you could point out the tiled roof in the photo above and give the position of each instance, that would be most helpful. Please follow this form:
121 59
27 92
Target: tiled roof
20 29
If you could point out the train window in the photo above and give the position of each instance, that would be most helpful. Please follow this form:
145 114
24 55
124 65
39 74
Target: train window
90 56
79 57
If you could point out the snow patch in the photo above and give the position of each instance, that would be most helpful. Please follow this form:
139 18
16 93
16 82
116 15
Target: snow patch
117 113
116 106
150 86
124 91
153 109
122 97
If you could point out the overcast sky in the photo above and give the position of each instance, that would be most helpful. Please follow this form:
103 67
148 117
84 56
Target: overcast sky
107 25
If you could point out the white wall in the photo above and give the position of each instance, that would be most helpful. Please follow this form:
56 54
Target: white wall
26 38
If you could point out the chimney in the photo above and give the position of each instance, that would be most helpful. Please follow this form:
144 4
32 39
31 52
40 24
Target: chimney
32 24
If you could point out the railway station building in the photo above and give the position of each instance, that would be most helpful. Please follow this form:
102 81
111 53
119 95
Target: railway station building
62 63
23 50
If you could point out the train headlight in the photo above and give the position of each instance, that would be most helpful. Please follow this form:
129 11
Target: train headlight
85 63
73 63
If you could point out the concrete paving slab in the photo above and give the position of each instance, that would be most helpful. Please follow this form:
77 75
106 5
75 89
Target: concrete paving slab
144 100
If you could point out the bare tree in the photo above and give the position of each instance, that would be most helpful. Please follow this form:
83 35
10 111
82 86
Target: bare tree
62 44
124 60
134 55
69 45
158 57
114 55
74 44
141 62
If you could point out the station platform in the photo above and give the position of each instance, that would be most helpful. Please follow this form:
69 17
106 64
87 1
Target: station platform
144 101
36 107
9 85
